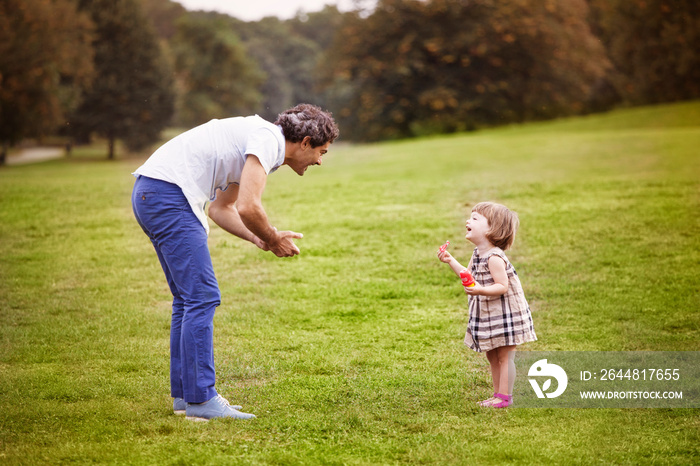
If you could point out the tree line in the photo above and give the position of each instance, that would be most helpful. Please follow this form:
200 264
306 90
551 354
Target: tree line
126 69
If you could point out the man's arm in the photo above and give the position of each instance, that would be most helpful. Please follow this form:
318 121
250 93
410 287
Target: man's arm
224 213
250 214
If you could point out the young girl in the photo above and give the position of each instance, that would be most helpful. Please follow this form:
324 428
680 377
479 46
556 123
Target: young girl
499 316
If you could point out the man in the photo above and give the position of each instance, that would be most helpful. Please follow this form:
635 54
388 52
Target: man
225 162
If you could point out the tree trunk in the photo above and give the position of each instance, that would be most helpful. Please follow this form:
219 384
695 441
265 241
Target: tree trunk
111 148
3 153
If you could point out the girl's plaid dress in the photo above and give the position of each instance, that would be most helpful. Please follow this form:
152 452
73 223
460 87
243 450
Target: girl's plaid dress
496 321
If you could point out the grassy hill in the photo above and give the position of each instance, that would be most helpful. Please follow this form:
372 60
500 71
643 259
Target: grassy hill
352 352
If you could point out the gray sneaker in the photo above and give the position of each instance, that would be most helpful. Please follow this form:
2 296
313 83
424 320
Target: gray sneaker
180 407
214 408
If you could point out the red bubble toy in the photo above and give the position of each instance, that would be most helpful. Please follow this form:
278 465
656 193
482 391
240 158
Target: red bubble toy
467 279
444 247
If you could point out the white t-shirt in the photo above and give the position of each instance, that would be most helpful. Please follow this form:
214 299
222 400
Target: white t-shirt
211 156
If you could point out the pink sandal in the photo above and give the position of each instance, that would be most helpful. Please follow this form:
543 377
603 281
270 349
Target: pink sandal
506 400
488 401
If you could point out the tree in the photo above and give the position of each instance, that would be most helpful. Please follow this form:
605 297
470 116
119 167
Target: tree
274 62
215 75
419 67
653 45
163 14
288 60
291 63
319 27
45 61
132 97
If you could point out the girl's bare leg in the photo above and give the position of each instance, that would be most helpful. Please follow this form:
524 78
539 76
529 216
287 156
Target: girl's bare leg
506 360
492 357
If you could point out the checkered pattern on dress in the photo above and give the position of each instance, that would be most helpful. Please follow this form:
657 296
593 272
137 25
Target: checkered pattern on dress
496 321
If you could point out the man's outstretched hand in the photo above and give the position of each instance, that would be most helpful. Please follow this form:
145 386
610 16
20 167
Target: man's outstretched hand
282 245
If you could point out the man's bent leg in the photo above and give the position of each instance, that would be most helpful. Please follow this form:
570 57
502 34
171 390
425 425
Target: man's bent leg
178 312
181 242
192 269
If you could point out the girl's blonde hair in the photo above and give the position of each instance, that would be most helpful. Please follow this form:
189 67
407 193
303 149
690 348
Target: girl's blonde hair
503 223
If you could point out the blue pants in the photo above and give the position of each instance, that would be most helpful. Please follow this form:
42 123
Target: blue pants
180 241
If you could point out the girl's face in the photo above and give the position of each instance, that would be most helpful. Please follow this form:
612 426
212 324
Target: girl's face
477 228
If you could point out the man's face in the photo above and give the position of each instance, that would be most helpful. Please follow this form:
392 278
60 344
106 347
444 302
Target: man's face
307 156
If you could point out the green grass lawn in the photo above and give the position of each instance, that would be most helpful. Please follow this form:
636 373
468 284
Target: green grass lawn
352 352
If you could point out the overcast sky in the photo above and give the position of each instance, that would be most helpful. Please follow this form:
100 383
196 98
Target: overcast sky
253 10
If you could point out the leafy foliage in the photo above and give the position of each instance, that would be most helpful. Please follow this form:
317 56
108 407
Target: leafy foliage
654 47
417 67
45 61
289 53
215 75
163 14
406 68
132 97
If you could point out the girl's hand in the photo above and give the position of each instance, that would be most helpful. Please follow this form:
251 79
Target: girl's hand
444 256
475 290
497 267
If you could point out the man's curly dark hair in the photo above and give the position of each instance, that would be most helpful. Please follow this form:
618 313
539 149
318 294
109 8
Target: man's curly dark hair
308 120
